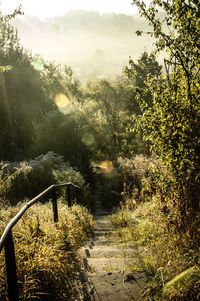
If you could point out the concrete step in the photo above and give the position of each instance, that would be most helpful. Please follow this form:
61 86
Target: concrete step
104 242
106 228
118 286
99 208
98 203
107 263
108 252
101 212
99 234
100 265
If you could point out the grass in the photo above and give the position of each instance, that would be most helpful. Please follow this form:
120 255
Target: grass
162 252
46 253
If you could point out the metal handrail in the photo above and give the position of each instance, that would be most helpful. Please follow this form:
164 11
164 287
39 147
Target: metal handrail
7 239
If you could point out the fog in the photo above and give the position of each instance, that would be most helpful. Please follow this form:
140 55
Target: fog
94 45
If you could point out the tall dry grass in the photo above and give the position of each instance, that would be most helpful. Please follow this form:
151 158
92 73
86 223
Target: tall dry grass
147 219
46 253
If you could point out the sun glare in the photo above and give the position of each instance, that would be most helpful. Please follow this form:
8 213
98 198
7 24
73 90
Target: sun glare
106 166
38 65
88 139
63 103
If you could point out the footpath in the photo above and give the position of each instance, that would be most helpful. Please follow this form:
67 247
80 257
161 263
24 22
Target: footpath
106 266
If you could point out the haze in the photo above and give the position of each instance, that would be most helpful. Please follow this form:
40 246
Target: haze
46 8
95 43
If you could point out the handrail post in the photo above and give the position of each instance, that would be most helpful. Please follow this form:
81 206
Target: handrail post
11 270
55 206
68 191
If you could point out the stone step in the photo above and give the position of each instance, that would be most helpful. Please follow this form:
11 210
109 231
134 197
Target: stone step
98 205
101 212
106 263
100 224
108 252
102 227
116 286
96 195
104 242
103 265
99 234
99 208
102 230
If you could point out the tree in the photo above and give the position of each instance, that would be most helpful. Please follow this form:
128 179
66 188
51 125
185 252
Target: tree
147 68
64 137
22 100
172 124
109 111
6 18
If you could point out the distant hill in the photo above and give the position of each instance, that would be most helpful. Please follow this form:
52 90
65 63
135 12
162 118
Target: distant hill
94 45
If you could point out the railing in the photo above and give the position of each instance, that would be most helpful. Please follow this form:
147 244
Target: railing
7 242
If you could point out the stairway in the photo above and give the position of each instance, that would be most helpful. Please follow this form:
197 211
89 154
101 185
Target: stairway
106 274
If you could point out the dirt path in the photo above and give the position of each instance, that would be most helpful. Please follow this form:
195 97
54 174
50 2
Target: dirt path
106 274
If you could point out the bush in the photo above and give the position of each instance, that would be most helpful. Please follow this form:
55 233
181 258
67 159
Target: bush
27 179
139 176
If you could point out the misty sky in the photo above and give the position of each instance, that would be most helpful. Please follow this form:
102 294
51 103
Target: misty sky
50 8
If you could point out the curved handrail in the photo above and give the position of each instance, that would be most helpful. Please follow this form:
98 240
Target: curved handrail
7 239
17 217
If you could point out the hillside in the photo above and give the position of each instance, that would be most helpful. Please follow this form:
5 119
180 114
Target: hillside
94 45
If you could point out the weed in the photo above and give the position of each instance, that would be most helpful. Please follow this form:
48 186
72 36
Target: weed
46 253
162 252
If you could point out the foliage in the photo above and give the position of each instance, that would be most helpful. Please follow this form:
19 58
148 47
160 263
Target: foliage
151 227
139 176
46 253
94 119
64 137
147 68
22 100
17 11
27 179
110 106
57 79
6 18
171 126
161 251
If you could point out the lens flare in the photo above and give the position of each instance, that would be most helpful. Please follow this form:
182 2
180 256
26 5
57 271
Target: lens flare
106 166
63 103
37 65
88 139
